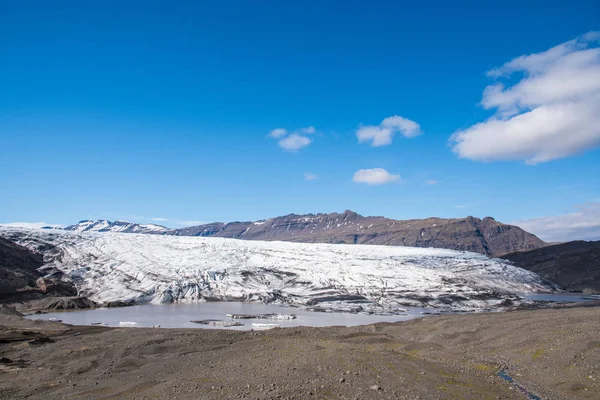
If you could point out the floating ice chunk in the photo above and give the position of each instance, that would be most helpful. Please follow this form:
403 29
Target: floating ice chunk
264 326
218 322
262 316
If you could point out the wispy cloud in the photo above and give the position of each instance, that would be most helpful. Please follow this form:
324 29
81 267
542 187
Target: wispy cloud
296 140
582 223
310 177
308 130
374 176
552 112
160 219
277 133
461 206
431 182
382 134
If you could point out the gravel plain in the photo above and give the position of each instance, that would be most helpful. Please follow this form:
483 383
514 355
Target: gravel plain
549 354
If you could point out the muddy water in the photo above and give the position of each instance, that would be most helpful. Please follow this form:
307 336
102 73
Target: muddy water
179 316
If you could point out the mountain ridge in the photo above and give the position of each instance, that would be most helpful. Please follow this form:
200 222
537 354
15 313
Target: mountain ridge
484 236
103 225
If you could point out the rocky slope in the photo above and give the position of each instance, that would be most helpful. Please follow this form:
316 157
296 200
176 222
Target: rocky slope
486 236
18 267
20 278
573 265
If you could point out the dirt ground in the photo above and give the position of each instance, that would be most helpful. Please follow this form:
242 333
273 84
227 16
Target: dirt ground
553 353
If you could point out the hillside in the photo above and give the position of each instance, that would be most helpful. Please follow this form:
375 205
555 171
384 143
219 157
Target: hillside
485 236
19 276
573 265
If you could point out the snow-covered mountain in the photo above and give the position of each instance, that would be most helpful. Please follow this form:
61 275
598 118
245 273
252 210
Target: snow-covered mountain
159 268
103 225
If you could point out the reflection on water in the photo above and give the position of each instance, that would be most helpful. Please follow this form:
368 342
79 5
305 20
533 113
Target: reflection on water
179 316
558 297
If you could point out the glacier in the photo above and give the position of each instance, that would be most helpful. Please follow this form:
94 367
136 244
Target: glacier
325 277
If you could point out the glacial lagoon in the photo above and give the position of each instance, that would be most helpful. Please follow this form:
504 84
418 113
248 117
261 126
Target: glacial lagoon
180 315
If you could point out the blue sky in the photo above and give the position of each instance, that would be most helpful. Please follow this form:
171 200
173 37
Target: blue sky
162 110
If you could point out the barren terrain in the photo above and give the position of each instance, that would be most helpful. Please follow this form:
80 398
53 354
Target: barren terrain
552 353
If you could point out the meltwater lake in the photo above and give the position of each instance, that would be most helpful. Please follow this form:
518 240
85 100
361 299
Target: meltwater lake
180 315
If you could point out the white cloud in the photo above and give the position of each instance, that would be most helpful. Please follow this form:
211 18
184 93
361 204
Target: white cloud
277 133
382 134
160 219
308 130
581 224
405 126
377 135
30 225
294 142
431 181
375 176
552 112
310 177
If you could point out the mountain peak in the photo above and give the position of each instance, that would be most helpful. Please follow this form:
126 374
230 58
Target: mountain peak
103 225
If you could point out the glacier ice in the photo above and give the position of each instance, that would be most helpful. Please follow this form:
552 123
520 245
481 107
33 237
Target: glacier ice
355 278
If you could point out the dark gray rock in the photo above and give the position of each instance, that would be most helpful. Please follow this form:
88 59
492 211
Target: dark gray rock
21 278
18 268
62 303
6 310
574 265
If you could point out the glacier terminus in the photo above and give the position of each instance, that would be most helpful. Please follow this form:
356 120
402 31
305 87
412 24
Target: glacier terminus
324 277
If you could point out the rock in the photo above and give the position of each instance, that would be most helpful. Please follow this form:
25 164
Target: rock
342 380
7 310
63 303
573 265
20 277
118 303
18 269
40 341
375 387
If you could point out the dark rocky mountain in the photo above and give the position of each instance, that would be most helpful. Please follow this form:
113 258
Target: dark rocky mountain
20 278
486 236
573 265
